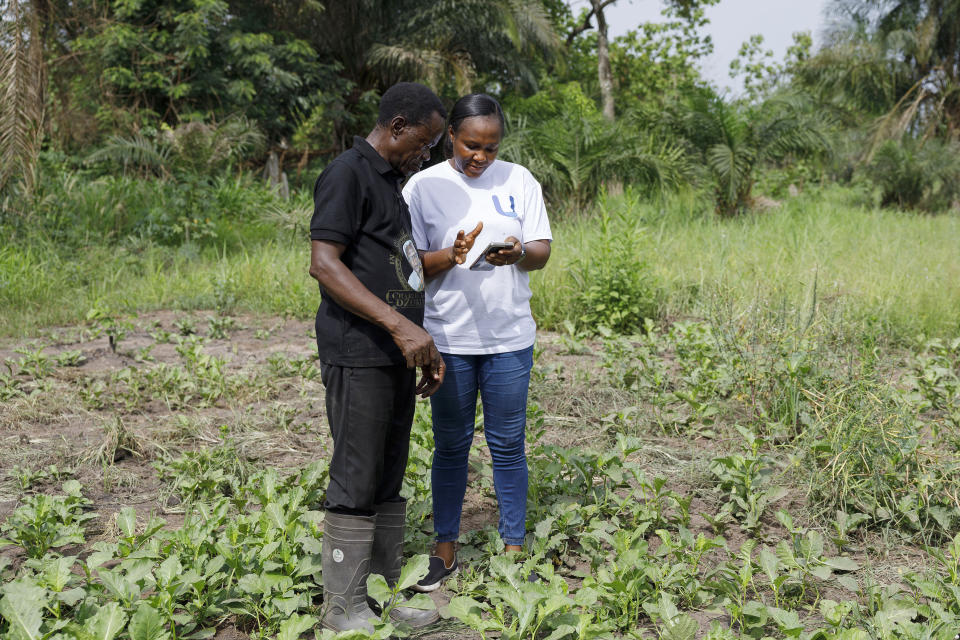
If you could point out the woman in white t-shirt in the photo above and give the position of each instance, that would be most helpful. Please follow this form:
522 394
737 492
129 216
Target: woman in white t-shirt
478 312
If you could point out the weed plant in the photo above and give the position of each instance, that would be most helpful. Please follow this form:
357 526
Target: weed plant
872 451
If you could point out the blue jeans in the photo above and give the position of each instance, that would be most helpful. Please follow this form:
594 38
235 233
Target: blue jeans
502 380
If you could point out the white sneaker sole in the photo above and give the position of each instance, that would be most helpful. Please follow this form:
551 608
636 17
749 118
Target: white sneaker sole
430 588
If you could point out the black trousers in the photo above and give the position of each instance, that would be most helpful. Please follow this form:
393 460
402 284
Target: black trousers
370 410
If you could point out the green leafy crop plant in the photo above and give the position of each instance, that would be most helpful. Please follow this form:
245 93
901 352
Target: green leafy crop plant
45 522
936 379
518 609
32 363
284 366
205 474
636 531
744 478
106 321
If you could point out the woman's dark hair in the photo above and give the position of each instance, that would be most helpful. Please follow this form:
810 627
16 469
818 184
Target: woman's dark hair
470 106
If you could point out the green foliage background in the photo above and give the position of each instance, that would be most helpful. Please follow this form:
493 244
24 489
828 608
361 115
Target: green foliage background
183 88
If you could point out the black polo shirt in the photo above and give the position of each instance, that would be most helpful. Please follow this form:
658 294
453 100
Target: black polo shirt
357 203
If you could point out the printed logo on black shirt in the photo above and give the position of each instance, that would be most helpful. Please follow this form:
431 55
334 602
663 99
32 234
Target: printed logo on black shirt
411 292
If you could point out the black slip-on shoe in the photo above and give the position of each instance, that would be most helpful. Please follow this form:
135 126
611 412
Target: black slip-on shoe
438 572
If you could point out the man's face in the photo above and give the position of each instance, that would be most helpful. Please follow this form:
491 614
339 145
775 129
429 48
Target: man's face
412 144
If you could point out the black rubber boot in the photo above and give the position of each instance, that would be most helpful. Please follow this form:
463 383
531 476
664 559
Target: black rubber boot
388 560
347 544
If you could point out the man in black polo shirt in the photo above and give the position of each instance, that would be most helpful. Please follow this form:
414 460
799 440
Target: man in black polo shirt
370 340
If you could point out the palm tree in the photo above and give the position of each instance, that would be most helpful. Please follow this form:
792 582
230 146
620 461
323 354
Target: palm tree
574 150
902 54
379 42
735 141
446 44
855 75
913 174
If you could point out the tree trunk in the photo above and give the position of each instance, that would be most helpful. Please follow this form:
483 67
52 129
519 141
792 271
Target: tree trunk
603 61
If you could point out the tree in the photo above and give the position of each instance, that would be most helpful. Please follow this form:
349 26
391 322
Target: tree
658 60
903 55
173 60
761 74
449 45
307 72
680 13
604 75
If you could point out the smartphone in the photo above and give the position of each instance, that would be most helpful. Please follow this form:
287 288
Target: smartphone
481 262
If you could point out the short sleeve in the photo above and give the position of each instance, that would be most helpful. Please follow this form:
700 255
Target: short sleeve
411 193
534 225
337 204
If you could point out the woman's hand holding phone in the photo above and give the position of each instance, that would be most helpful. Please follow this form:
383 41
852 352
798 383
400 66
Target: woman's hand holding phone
482 263
503 257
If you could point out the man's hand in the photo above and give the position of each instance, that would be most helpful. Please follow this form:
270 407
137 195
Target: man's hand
416 345
418 348
464 242
430 380
504 257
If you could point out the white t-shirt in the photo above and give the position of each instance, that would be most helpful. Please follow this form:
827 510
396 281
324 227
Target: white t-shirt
467 311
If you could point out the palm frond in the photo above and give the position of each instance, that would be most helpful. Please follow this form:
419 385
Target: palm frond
426 64
134 152
22 101
235 138
529 26
576 152
912 174
897 59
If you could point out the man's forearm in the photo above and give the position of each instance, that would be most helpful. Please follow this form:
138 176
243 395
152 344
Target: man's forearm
347 291
345 288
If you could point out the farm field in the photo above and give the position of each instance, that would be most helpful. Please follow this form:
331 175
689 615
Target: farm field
744 417
753 479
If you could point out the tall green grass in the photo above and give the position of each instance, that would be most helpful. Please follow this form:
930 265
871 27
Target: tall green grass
873 270
42 288
879 270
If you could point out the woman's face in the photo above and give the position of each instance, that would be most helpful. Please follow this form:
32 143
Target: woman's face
475 144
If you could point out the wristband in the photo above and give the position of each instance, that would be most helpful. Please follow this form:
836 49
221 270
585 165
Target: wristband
523 254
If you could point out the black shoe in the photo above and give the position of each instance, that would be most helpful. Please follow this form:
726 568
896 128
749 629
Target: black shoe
436 575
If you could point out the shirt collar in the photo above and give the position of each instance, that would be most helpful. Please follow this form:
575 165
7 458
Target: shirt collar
374 158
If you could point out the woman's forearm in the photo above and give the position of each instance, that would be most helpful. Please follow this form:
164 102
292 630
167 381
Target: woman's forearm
538 253
437 262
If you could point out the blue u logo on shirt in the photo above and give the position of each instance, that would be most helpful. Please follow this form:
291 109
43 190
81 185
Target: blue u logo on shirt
513 207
